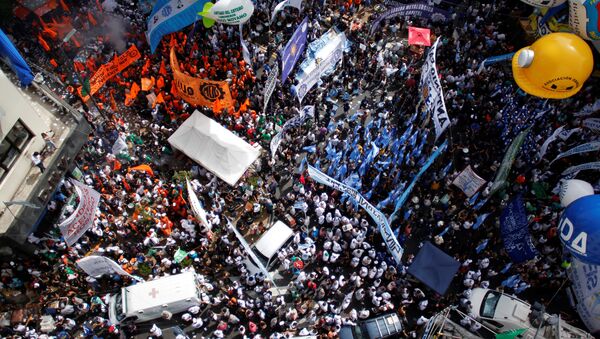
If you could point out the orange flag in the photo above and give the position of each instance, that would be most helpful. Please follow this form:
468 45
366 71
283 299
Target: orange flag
54 63
146 67
217 107
135 89
143 168
64 6
160 99
173 88
43 43
160 83
163 69
113 103
146 84
91 19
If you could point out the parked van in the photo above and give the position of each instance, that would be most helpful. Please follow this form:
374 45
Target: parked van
383 326
271 241
146 301
501 312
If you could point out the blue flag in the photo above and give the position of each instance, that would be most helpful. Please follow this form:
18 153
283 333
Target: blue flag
310 149
480 220
170 16
293 50
9 52
482 246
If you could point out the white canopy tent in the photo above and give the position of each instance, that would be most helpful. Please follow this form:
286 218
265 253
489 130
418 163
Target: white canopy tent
214 147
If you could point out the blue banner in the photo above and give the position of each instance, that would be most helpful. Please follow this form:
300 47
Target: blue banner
293 50
418 10
9 52
515 234
424 168
170 16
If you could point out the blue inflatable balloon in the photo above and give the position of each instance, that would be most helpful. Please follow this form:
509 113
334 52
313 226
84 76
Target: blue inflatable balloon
579 229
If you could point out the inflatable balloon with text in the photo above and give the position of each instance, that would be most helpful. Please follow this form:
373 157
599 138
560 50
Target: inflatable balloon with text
553 67
579 229
229 12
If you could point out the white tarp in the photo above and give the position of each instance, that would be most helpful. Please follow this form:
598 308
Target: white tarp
214 147
96 266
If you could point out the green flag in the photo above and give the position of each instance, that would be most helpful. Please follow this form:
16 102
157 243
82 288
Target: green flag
179 255
511 334
85 88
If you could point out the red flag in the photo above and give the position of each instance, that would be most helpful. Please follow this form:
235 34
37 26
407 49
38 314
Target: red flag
160 83
91 19
64 6
419 36
43 43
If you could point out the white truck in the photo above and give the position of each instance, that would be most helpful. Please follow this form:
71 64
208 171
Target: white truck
146 301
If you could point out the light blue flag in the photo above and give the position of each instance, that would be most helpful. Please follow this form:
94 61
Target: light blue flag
341 172
408 213
473 199
170 16
413 138
9 52
375 181
302 165
482 246
511 281
318 164
480 219
446 170
444 231
480 204
506 268
368 194
310 149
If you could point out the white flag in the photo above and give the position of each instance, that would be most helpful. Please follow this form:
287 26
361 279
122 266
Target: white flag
197 209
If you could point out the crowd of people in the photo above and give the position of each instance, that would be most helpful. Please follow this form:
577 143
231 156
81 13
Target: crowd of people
365 133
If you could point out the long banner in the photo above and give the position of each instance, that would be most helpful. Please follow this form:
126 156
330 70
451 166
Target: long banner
82 218
293 49
515 234
593 124
507 162
584 148
197 209
548 141
582 167
421 10
384 227
585 284
112 68
431 91
305 113
424 168
270 85
198 91
468 181
310 79
170 16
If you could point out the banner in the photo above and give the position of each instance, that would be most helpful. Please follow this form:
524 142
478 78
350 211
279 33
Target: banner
431 92
468 181
284 4
421 10
96 266
112 68
566 134
550 139
582 167
507 162
82 218
593 124
307 112
170 16
245 50
384 227
293 50
424 168
320 49
585 284
270 85
588 147
9 52
515 234
309 80
198 91
197 209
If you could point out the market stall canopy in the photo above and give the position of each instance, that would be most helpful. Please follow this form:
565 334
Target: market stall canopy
214 147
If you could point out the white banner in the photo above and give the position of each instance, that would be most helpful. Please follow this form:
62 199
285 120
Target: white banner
564 135
384 227
270 85
96 266
284 4
431 92
245 50
82 218
305 113
589 109
585 283
584 148
593 124
550 139
468 181
310 79
582 167
197 209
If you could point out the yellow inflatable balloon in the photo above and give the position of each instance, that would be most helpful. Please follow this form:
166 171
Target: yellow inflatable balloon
554 67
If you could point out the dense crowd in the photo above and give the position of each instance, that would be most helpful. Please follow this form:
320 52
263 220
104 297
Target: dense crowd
365 133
